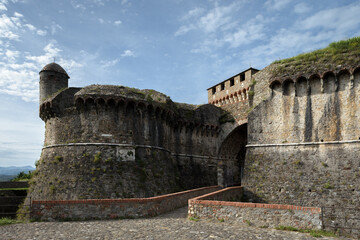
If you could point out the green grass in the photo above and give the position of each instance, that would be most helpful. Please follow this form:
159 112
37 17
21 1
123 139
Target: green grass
313 233
195 219
6 221
328 185
345 52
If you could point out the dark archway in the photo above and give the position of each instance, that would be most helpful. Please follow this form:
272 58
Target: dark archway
232 157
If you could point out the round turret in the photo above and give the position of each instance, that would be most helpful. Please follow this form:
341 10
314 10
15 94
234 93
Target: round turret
52 78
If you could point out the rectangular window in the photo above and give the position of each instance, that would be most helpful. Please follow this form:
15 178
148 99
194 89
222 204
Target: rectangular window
242 77
213 90
232 82
222 86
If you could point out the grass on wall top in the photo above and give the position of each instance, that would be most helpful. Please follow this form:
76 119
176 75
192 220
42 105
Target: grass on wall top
336 55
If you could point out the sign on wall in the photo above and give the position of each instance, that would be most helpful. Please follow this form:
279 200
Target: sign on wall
125 153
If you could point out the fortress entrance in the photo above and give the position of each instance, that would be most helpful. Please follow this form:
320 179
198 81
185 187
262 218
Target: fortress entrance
232 157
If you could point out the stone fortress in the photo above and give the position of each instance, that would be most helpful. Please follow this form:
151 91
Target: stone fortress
289 134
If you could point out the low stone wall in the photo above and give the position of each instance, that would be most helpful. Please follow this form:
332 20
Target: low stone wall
113 208
257 214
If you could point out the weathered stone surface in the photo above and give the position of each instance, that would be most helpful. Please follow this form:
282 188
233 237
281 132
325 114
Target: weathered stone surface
226 205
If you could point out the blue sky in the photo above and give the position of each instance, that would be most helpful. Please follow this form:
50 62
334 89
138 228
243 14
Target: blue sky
178 47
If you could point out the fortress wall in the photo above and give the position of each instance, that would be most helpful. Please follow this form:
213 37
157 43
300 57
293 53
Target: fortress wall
306 175
238 110
132 124
303 143
104 171
308 110
87 147
261 88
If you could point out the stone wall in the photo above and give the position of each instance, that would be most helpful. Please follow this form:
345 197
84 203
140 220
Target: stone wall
113 208
117 142
215 206
312 174
261 87
303 142
239 110
234 89
309 110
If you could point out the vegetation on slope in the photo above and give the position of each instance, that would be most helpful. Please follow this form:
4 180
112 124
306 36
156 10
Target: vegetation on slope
337 55
22 176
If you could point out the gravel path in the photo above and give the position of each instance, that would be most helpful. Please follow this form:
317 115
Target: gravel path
174 225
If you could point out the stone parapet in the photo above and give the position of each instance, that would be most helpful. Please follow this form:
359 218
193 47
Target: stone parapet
113 208
216 206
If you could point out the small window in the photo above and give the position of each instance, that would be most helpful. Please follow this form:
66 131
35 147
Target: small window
231 82
222 86
213 90
242 77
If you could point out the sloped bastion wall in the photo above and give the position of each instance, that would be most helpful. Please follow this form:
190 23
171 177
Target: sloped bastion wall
304 144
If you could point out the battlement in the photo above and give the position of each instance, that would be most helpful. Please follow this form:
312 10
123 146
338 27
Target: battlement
316 82
231 90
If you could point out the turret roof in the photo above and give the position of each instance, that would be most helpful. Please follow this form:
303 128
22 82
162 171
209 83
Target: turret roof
54 67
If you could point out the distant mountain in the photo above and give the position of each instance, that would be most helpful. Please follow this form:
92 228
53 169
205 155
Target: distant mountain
15 170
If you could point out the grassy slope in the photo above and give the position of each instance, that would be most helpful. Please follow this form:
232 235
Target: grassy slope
338 55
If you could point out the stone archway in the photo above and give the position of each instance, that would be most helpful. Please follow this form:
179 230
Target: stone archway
231 155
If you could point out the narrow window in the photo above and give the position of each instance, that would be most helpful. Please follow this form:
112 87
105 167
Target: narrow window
213 90
231 82
242 77
222 86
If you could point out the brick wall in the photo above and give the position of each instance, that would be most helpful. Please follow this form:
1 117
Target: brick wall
213 206
113 208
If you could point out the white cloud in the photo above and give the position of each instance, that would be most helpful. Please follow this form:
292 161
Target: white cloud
8 26
77 5
196 12
41 32
184 29
276 4
30 27
249 32
123 2
234 37
19 76
101 20
3 7
127 53
217 18
117 23
106 64
51 51
11 55
341 19
55 27
18 15
301 8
